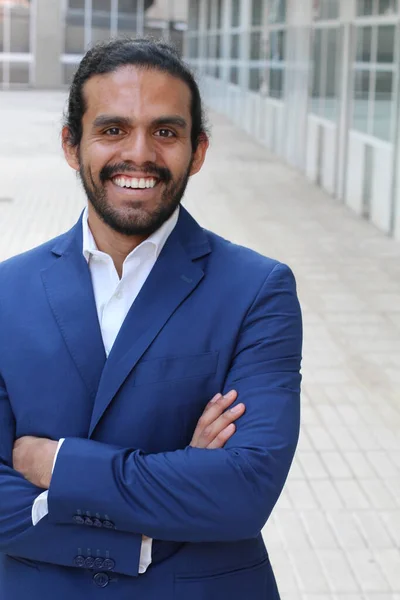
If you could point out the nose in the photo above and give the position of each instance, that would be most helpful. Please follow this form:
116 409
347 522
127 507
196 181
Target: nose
138 148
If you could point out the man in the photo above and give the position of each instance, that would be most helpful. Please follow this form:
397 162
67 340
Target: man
119 476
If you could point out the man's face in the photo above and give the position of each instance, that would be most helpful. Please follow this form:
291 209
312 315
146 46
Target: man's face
135 155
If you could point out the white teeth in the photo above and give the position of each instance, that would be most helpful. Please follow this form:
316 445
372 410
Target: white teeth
133 182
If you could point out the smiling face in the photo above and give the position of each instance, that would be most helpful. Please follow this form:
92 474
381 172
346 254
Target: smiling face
135 155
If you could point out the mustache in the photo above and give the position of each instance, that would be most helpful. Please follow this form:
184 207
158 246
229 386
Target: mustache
161 173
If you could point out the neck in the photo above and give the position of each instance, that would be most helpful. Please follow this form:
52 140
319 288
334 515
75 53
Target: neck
117 245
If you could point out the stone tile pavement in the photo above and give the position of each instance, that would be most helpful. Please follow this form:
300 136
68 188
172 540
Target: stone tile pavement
335 533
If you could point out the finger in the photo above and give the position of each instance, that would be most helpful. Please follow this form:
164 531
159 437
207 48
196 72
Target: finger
213 410
223 437
213 401
214 429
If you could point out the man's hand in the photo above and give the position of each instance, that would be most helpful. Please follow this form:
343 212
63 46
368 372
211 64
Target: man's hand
216 424
33 457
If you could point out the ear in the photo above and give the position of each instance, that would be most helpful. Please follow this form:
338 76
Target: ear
200 154
70 151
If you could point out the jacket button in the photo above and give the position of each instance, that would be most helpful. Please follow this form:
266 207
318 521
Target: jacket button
108 564
79 561
88 521
108 525
101 579
97 523
78 520
98 564
89 562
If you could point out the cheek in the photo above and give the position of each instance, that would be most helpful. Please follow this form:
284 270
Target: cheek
96 156
178 162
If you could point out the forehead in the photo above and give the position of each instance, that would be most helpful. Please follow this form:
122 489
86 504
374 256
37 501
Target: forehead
138 93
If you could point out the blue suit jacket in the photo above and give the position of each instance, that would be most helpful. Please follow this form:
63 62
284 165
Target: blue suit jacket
212 316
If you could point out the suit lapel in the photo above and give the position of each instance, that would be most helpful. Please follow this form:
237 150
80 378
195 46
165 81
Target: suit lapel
69 291
171 281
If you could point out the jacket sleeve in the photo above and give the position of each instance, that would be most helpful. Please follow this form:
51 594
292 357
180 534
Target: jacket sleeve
199 495
49 542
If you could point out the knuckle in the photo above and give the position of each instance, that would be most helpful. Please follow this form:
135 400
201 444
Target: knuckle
207 433
202 422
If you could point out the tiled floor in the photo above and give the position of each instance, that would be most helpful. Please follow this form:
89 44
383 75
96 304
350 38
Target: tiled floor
336 530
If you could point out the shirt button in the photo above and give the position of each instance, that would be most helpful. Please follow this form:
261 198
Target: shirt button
118 295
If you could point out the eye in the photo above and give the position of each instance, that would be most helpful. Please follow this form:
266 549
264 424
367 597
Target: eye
113 131
165 133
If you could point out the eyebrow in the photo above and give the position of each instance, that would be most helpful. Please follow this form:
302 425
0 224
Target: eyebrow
109 120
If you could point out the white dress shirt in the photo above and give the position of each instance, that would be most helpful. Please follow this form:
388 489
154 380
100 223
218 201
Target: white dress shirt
114 297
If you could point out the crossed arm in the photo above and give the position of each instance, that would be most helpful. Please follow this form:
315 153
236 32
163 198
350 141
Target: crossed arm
191 495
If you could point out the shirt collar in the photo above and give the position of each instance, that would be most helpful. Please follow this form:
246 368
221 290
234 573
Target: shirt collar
156 239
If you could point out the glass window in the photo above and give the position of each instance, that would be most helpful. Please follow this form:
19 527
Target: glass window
324 95
386 37
255 79
20 30
277 45
364 44
276 83
327 9
235 16
77 4
317 72
382 122
209 7
365 8
127 24
234 75
277 11
2 17
75 33
194 15
331 92
361 100
257 10
219 14
193 46
256 45
387 7
101 6
235 45
218 45
101 20
210 46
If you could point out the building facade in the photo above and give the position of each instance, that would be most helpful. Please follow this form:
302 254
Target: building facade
317 82
42 41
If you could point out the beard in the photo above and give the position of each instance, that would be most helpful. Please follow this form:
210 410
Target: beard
134 221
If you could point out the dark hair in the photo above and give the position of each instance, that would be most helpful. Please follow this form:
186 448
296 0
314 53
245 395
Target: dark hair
145 53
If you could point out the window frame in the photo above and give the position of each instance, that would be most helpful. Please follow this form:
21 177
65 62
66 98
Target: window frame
264 62
325 25
373 67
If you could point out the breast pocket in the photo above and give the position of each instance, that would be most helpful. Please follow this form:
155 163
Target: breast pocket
159 370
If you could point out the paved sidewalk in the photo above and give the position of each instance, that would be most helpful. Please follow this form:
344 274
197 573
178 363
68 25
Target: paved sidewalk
335 533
